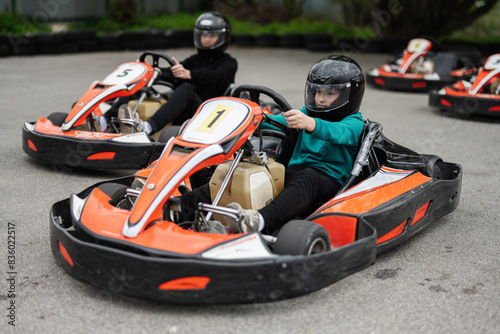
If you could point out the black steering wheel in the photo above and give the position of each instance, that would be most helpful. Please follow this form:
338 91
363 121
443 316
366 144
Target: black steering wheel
288 135
255 91
156 56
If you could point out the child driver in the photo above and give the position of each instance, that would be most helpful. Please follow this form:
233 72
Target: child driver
329 128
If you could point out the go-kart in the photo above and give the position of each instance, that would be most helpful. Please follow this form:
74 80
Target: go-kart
421 69
76 139
125 234
478 96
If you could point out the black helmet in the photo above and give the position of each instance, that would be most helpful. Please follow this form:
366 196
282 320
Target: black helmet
212 23
337 75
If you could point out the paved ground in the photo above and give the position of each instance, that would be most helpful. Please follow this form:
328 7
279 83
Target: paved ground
444 280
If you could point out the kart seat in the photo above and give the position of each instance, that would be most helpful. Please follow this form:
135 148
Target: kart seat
367 161
444 62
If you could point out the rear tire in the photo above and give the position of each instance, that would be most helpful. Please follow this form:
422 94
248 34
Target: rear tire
302 237
57 118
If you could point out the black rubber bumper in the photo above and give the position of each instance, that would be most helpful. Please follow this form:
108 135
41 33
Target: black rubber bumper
405 84
137 273
74 152
465 106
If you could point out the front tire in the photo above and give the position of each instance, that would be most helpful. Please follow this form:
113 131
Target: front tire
169 132
57 118
302 237
117 192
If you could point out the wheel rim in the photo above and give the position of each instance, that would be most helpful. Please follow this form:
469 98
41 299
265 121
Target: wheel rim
317 246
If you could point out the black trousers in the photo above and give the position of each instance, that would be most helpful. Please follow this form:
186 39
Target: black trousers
305 190
180 106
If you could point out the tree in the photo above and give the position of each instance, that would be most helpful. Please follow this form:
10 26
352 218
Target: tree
411 18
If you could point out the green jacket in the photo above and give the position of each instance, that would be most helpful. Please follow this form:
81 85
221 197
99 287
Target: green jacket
331 147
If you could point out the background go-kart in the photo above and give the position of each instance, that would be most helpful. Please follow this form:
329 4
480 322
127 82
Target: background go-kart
444 280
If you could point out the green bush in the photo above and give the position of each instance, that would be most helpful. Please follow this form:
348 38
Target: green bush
12 23
485 30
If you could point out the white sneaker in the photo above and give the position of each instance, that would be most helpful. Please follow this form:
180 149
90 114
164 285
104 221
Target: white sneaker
249 221
102 124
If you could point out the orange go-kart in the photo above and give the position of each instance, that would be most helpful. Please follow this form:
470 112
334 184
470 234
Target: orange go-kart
125 234
76 140
478 96
421 69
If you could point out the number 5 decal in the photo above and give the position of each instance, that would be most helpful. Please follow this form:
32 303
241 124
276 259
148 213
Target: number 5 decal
124 73
214 119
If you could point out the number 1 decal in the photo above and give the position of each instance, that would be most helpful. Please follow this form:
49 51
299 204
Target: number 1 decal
214 119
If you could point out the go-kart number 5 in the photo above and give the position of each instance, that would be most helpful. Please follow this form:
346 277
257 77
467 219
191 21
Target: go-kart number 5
214 119
124 73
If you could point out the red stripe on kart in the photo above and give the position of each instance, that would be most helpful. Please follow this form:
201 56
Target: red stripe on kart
102 156
495 108
419 84
32 146
392 234
379 81
186 283
65 254
445 103
420 213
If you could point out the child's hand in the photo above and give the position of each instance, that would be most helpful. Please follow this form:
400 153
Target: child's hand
179 71
296 119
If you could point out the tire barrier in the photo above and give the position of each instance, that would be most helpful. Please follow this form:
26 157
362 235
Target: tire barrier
74 41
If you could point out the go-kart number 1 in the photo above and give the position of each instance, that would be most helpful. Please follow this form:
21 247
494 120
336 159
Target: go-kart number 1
214 119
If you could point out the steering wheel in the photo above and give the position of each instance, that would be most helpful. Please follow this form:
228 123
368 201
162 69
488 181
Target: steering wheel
255 91
156 56
289 135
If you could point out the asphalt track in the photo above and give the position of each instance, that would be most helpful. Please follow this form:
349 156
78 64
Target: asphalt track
444 280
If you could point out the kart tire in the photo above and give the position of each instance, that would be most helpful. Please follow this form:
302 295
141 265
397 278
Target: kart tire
437 171
57 118
302 237
292 40
115 191
168 133
267 40
244 40
435 166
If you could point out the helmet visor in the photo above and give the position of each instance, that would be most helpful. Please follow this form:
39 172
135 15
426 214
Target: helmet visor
326 98
209 38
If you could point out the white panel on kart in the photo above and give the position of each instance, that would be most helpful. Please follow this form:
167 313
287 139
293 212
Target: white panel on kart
216 120
138 138
418 45
125 73
384 176
492 62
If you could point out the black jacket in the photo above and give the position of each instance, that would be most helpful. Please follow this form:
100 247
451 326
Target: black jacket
210 76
